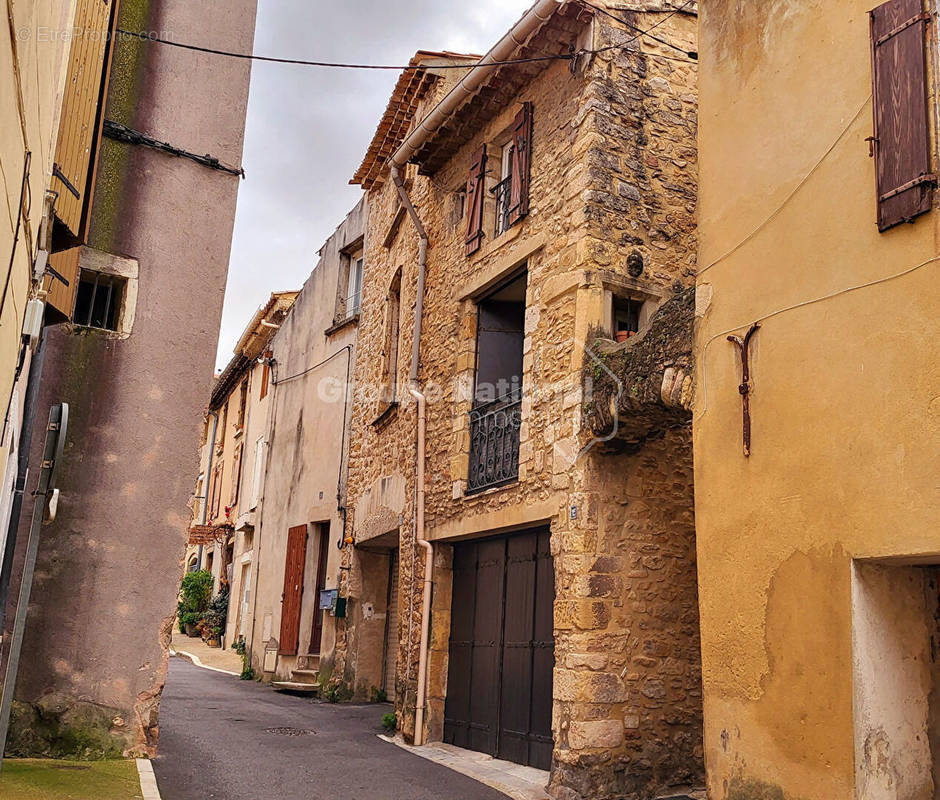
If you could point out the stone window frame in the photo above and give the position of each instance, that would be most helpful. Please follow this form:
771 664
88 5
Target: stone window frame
616 287
127 271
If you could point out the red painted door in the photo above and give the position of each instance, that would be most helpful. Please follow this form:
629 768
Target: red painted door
293 590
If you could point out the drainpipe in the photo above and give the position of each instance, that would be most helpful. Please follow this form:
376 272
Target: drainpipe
415 391
531 21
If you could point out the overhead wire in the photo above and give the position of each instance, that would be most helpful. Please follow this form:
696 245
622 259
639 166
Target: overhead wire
151 37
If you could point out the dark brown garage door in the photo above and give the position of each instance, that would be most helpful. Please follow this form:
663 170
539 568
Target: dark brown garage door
502 650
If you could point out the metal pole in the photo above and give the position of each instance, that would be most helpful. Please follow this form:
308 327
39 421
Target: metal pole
51 455
26 439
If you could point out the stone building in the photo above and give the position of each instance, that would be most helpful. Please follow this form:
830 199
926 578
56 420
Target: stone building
300 517
520 585
134 359
818 550
228 488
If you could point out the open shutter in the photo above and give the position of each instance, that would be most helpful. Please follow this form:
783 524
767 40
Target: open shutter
476 186
293 590
521 163
901 137
81 114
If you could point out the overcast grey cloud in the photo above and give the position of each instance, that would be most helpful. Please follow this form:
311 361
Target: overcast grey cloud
309 127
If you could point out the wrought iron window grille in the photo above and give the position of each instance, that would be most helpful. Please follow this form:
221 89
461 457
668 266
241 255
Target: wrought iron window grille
494 443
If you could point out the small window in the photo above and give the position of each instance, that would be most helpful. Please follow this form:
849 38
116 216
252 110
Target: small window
503 189
626 318
98 300
354 284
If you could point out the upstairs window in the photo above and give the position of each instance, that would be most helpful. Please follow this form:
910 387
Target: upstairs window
511 192
98 300
349 288
242 405
354 284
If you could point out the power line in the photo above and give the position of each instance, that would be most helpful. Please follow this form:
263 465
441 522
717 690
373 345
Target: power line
149 37
647 32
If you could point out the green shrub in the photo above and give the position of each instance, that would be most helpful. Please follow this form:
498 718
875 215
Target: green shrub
377 695
217 613
390 723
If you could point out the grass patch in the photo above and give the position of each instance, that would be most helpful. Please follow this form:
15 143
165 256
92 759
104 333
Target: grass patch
49 779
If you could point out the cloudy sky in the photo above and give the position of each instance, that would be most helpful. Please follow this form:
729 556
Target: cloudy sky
308 128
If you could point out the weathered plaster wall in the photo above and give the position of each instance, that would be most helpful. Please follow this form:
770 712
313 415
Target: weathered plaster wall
109 566
613 172
33 62
844 401
306 431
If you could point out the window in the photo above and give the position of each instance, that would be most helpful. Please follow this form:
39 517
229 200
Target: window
237 473
354 284
495 419
216 492
626 318
392 336
256 473
265 374
503 189
98 300
242 405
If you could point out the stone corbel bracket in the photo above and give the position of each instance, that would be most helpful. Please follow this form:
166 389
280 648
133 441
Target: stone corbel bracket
641 388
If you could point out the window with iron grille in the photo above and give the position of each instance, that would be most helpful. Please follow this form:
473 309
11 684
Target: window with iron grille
98 300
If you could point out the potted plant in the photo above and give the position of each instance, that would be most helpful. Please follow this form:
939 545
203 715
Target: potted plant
194 600
214 619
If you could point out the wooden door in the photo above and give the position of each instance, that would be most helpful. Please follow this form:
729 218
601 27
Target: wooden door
323 552
293 591
499 686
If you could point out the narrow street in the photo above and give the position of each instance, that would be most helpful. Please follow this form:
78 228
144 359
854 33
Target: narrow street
237 740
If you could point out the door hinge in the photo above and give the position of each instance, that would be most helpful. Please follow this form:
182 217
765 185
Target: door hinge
928 177
922 17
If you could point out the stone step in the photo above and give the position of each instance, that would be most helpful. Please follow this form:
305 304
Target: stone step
305 675
293 687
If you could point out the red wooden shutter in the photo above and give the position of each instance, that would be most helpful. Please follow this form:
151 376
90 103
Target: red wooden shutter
521 163
476 186
293 590
901 138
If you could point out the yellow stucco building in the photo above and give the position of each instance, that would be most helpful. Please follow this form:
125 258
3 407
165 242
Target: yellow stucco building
817 552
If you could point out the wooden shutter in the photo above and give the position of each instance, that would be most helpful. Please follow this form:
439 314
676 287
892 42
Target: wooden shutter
265 375
521 163
293 590
476 186
237 473
902 136
82 111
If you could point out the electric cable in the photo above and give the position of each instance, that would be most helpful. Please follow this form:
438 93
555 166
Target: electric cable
692 54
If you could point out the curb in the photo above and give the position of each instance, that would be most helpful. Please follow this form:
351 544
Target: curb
196 662
148 781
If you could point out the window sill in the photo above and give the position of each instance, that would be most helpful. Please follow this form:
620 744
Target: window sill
473 494
386 415
336 327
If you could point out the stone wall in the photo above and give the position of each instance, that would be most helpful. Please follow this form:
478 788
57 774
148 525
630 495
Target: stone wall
613 178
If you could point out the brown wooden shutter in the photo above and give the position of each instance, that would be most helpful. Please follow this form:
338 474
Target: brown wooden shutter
902 135
476 186
293 590
237 473
521 163
82 112
265 375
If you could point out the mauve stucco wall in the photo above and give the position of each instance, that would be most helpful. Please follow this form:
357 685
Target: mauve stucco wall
109 566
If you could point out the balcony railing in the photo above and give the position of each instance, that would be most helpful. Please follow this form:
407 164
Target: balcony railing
503 194
494 444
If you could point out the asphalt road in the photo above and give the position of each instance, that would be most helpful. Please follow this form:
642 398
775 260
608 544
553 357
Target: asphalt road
229 739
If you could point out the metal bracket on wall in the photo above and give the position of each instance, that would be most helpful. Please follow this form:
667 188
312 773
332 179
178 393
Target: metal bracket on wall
744 346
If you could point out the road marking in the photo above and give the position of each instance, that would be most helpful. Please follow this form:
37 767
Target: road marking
198 663
148 781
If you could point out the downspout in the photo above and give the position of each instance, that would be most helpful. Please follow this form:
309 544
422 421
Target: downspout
531 21
415 391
